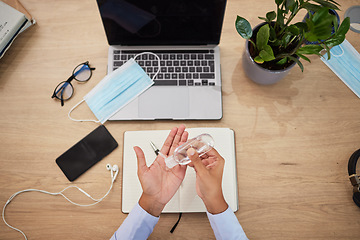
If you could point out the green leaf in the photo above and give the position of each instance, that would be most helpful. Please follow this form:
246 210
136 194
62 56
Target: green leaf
296 6
293 29
303 57
319 26
243 27
298 62
276 43
310 49
311 7
335 24
301 26
286 39
327 51
327 4
280 18
309 24
279 2
339 35
262 37
344 26
323 30
258 59
262 18
334 41
267 53
334 2
271 16
314 48
290 4
320 15
311 37
272 36
282 61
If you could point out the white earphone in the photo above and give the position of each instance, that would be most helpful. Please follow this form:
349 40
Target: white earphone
114 170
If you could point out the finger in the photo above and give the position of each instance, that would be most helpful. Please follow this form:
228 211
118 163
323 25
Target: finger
179 135
213 165
206 162
205 159
178 139
195 159
183 140
168 142
217 163
213 153
184 137
141 162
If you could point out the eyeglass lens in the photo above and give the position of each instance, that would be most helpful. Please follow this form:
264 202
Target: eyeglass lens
64 91
82 72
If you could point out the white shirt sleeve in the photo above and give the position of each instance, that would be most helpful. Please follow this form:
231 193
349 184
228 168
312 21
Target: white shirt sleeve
226 226
138 225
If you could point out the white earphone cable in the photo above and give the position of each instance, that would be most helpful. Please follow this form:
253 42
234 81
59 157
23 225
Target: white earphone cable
96 201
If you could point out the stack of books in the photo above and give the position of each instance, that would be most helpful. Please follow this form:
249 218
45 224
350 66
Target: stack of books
14 19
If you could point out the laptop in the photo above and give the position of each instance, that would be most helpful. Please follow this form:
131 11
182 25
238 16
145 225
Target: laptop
185 35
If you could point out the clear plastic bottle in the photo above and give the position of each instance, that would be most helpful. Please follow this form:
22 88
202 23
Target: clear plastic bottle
202 144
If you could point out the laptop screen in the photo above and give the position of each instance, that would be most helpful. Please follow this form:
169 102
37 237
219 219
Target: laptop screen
162 22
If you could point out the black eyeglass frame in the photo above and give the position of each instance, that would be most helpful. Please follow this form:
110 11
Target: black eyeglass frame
68 81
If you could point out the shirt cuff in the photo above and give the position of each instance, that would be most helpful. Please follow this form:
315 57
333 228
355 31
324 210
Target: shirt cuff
139 224
226 225
145 215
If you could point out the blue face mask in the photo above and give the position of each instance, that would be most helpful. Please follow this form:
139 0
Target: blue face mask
345 63
115 91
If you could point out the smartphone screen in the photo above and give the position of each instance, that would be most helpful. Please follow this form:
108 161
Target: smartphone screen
88 151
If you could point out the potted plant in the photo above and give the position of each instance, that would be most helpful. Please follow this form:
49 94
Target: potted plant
275 46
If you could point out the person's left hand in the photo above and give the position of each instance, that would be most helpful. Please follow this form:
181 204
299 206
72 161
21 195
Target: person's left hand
159 183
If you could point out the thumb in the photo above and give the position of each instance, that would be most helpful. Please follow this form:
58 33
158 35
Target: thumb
141 162
195 159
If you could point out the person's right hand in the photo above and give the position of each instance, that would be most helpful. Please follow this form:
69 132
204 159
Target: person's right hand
209 170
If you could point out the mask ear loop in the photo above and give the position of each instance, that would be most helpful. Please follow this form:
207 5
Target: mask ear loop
79 120
335 55
143 53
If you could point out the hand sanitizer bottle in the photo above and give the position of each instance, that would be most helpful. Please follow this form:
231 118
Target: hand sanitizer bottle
202 144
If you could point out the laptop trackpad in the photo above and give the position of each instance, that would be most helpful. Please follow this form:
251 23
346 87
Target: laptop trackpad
164 103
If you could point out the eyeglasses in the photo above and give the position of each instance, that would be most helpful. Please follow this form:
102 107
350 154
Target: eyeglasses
65 89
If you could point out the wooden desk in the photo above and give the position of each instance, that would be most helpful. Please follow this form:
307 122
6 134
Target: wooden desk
293 139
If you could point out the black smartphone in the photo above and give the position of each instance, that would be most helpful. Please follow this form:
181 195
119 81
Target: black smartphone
88 151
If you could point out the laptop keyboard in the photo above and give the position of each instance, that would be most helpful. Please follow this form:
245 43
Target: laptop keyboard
177 67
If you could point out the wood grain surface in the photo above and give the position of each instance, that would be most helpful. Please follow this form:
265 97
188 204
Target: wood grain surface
293 139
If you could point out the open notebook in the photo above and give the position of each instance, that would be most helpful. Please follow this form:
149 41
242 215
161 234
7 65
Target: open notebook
185 199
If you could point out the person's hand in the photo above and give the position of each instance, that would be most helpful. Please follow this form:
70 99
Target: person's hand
159 184
209 170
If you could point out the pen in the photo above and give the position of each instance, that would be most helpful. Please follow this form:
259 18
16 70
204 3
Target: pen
156 150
